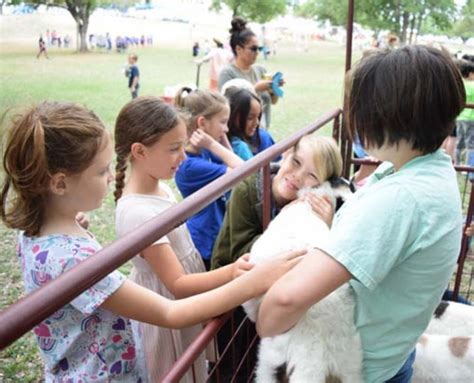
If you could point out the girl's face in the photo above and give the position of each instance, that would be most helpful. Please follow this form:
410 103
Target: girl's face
253 118
216 126
87 189
297 171
249 52
162 159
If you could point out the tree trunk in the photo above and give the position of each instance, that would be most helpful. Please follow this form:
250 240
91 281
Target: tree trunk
412 29
405 21
81 16
82 33
418 25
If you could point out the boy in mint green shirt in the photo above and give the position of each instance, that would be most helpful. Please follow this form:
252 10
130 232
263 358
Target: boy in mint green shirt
396 242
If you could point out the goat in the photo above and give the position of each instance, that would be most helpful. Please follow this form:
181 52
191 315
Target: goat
335 351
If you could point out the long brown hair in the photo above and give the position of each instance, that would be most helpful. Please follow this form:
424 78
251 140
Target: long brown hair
145 120
45 139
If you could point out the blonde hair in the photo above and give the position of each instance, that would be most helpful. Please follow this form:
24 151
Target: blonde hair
327 158
198 103
145 120
46 139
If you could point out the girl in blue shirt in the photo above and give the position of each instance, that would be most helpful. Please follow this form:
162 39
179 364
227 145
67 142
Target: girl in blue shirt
208 156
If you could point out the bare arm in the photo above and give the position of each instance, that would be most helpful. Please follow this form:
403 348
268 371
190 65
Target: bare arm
169 270
139 303
290 297
201 139
134 83
225 142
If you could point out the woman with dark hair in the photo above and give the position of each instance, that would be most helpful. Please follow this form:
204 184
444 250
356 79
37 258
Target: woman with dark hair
244 44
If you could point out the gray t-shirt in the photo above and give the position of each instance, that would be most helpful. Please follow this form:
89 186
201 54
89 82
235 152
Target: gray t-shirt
254 75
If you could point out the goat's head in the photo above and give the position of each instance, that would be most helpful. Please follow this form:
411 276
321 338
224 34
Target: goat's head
338 189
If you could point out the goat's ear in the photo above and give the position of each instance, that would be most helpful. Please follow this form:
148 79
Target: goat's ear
339 202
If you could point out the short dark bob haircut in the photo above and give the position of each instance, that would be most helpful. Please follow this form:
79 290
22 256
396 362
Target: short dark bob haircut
412 93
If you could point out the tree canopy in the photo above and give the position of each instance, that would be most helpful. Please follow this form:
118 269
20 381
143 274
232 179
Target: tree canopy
464 27
401 17
260 11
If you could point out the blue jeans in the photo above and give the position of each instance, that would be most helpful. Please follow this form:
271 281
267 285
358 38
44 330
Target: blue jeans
406 372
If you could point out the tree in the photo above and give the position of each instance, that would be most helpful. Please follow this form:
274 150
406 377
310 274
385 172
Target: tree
333 11
402 17
260 11
465 26
80 10
7 2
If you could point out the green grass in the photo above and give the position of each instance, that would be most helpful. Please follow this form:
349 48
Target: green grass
313 86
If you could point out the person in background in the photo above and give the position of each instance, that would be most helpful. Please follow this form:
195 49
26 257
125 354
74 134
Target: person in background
42 48
463 135
245 46
196 49
218 58
133 74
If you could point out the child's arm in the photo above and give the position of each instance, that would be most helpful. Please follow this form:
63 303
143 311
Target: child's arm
139 303
225 142
167 267
134 84
201 139
289 298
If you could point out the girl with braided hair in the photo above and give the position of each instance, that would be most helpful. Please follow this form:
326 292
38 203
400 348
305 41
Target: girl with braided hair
151 136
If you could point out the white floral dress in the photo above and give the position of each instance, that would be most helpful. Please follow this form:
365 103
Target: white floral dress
80 342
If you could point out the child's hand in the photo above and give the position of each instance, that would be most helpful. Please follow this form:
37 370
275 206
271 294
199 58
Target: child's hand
201 139
267 273
322 206
82 220
241 266
470 230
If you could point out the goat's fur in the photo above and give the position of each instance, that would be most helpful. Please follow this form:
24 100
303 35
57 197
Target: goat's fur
445 352
334 350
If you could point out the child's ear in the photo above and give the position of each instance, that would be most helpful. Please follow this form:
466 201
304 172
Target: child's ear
201 122
58 184
137 150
